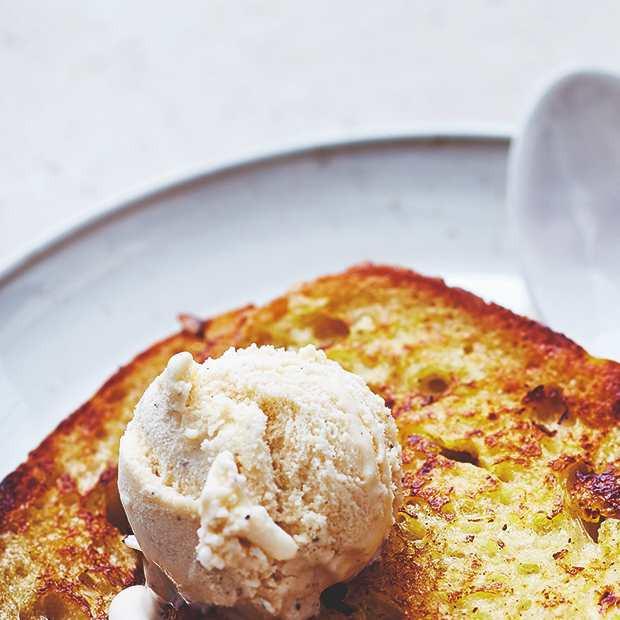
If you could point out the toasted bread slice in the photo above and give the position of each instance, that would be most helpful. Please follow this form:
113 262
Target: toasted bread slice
511 448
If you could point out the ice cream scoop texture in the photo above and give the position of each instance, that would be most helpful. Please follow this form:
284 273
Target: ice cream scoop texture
260 478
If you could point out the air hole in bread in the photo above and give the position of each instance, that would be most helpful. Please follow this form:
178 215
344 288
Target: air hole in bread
461 456
55 605
408 523
504 470
592 527
433 383
326 327
547 406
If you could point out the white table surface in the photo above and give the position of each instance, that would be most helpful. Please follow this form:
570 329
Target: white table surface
99 100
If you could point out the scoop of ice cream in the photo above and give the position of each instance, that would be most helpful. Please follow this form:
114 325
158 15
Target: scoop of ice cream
260 478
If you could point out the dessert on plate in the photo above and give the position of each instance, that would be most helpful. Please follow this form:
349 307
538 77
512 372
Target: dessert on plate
258 479
507 506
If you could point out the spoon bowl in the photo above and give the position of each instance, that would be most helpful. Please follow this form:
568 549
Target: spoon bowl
564 199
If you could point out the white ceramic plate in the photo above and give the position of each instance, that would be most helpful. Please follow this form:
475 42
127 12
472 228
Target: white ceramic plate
73 311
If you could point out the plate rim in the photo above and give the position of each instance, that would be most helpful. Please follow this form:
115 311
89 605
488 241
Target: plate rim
38 250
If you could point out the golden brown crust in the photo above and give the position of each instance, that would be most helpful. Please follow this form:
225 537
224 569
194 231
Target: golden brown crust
510 448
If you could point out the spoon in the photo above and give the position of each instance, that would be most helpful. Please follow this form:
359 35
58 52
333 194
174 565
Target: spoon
564 199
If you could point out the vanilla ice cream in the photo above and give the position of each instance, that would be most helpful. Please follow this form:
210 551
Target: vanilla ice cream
260 478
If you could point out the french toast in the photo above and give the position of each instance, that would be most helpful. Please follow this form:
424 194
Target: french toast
511 455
